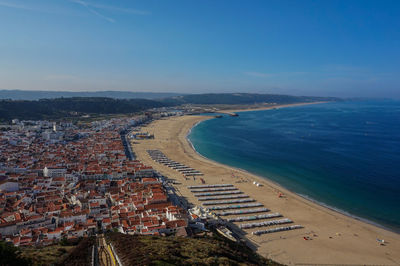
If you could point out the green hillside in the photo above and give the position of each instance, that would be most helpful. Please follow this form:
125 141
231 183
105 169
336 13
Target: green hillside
78 106
153 250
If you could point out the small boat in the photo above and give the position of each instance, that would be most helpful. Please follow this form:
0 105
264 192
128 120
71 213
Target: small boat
226 233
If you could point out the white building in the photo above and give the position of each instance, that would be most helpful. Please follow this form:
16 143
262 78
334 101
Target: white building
54 172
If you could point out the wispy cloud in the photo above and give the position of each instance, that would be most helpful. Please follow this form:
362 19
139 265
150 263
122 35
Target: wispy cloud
94 7
259 74
16 6
51 8
101 15
91 10
120 9
11 5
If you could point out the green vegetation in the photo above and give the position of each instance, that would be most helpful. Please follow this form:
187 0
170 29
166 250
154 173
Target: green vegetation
36 95
155 250
77 107
55 254
139 250
71 107
80 255
10 255
47 255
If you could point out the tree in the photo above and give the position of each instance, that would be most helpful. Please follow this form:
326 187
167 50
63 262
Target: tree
9 255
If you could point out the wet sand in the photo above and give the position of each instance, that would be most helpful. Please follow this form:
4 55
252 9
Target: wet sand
336 238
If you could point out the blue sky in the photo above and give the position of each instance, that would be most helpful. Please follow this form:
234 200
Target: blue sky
336 48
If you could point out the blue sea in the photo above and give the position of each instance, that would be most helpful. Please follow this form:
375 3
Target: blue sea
345 155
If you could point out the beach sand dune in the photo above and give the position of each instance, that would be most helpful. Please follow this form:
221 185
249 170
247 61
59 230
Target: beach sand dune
334 237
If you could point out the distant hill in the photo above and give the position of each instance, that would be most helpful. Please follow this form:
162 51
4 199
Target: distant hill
36 95
243 98
72 107
78 106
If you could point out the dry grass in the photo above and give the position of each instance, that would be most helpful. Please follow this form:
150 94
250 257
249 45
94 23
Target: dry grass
154 250
46 255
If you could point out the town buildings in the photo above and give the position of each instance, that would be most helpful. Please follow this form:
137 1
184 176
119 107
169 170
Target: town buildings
63 181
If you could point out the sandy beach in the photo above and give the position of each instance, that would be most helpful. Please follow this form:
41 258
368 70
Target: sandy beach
267 107
334 237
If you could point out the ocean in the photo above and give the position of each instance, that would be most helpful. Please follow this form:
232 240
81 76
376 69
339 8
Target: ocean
344 155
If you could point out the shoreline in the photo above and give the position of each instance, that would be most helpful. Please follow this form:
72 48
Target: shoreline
269 107
336 237
305 197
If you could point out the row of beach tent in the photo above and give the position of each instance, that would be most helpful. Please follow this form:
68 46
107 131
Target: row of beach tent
222 199
231 201
230 192
240 206
213 189
277 229
160 157
210 186
254 217
266 223
245 211
239 196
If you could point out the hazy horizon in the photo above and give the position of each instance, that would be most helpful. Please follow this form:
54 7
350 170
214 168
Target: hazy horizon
318 48
173 93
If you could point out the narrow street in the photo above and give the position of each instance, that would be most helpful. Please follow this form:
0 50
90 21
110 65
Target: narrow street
104 253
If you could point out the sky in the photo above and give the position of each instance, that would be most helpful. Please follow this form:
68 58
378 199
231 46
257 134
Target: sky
322 48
